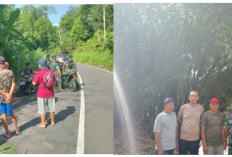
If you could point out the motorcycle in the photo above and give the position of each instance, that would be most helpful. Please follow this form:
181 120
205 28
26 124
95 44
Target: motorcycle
71 82
24 84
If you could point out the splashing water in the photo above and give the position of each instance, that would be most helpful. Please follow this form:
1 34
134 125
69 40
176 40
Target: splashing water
120 98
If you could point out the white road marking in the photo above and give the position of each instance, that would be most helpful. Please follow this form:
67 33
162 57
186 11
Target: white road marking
81 129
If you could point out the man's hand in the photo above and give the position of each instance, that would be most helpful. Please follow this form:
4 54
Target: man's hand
8 98
205 148
225 145
160 152
177 146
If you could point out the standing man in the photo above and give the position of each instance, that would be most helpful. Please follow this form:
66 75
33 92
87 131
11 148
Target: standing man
7 86
45 94
55 68
165 129
27 71
212 130
228 130
189 118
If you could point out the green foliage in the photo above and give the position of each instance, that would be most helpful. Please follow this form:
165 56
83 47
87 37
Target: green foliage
102 60
81 30
40 11
8 149
13 17
44 32
66 23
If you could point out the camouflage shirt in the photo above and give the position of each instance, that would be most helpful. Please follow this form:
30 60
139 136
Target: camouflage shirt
66 70
228 122
7 78
54 66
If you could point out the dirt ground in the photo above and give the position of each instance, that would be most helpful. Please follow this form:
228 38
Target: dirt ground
144 145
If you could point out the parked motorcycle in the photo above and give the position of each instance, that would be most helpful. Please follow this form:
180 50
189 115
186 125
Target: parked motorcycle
24 84
72 82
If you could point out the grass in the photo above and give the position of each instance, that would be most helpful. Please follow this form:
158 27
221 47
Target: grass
8 149
102 60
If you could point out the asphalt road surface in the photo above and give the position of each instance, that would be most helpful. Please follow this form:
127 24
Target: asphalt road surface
84 119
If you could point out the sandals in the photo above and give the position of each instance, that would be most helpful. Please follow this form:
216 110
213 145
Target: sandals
20 133
38 125
4 134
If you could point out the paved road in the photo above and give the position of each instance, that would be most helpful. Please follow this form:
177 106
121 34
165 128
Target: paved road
62 138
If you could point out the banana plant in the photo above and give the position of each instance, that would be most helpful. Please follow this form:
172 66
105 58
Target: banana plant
10 36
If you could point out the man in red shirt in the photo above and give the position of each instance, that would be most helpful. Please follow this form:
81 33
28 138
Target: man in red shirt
45 94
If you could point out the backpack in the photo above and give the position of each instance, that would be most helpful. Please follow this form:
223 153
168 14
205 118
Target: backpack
70 64
49 80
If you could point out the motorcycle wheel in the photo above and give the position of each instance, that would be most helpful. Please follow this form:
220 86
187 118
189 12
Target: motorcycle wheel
18 93
72 85
33 89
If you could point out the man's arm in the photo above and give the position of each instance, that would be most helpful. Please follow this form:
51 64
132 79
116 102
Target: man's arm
224 137
177 145
58 69
180 120
22 72
159 147
3 93
226 131
9 96
205 147
33 83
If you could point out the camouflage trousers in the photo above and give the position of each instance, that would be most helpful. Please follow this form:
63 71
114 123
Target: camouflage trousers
230 145
69 71
58 79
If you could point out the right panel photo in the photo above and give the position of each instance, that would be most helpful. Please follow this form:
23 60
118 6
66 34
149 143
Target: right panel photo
172 74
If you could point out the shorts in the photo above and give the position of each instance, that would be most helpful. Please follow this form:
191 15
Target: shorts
6 108
43 102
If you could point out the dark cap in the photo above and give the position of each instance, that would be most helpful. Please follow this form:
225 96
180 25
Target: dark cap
2 62
70 56
43 63
169 99
27 63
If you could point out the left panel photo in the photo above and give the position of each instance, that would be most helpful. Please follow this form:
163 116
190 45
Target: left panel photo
56 86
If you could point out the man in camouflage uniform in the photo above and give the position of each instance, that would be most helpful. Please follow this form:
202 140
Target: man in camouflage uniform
228 129
66 70
55 68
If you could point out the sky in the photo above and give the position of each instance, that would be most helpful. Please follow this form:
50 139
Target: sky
60 11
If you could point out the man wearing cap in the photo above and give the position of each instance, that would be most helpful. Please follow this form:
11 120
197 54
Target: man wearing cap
165 130
189 118
45 94
7 86
212 130
27 71
55 68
